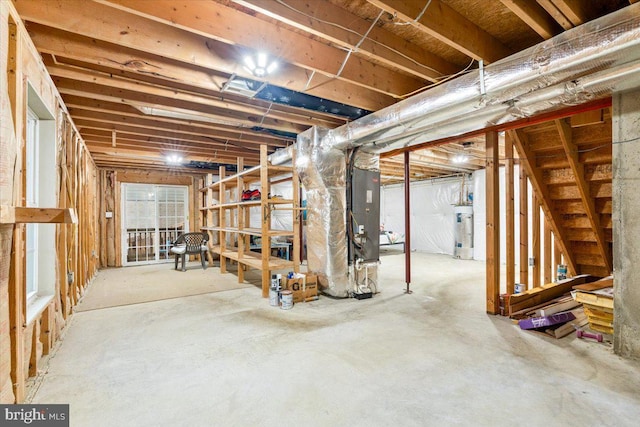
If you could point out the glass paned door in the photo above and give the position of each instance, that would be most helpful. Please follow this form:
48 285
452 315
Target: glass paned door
153 216
172 217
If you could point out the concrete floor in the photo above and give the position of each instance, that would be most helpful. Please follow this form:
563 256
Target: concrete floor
430 358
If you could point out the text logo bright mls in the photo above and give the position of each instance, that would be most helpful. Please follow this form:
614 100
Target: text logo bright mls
34 415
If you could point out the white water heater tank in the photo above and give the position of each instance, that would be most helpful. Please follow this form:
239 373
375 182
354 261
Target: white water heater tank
463 232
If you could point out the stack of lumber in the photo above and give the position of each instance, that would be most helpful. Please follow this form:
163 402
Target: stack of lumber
549 308
597 301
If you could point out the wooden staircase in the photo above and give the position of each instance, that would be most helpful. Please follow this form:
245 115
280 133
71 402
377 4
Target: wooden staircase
568 162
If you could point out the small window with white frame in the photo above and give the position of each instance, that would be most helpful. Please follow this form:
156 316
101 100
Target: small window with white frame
40 191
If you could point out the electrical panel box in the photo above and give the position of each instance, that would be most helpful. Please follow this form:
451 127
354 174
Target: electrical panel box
365 209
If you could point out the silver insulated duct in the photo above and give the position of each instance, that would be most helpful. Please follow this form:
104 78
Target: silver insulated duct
322 171
579 65
586 63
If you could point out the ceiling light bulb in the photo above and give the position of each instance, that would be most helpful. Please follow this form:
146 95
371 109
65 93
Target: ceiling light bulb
248 61
272 67
262 60
174 159
260 72
460 158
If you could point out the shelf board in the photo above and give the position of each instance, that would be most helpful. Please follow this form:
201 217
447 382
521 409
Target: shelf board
250 231
283 169
248 176
254 260
280 201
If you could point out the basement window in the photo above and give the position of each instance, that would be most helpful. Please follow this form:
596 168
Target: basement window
41 190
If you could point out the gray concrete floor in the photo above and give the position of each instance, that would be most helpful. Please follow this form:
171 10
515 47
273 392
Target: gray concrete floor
430 358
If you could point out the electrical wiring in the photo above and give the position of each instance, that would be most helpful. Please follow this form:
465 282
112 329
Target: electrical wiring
439 82
424 9
408 58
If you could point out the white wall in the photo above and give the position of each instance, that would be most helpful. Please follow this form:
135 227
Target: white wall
480 217
432 217
479 210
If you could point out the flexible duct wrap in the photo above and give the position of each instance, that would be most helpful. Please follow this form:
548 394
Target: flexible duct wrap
323 173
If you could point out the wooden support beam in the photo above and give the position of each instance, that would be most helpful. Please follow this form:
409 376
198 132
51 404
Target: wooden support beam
164 105
524 227
576 11
113 139
265 221
110 114
38 215
214 101
17 299
510 215
584 188
532 14
535 240
556 13
548 267
441 21
493 223
527 160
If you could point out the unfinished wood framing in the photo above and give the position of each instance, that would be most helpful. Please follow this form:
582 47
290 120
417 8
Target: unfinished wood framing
543 195
228 216
546 258
584 187
510 215
524 228
493 223
535 240
28 338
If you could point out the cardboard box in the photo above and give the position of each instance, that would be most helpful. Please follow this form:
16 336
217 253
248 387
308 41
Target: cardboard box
304 289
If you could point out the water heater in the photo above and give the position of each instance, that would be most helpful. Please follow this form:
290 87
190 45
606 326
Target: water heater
463 232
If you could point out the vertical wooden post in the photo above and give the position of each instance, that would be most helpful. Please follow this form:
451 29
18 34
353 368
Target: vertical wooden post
243 239
493 224
510 215
223 219
16 268
557 254
117 216
266 219
535 239
548 268
407 223
524 228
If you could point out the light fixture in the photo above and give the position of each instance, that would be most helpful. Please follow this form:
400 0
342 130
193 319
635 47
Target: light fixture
460 158
261 65
174 159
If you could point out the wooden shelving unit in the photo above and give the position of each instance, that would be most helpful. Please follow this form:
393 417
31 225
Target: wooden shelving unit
228 218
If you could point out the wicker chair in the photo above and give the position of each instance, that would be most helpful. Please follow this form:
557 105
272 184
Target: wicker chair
191 244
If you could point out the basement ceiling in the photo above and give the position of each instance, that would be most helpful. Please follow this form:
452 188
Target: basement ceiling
146 79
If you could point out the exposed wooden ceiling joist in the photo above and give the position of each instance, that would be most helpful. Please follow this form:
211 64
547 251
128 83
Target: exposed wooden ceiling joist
158 73
345 29
441 21
124 29
534 16
218 22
